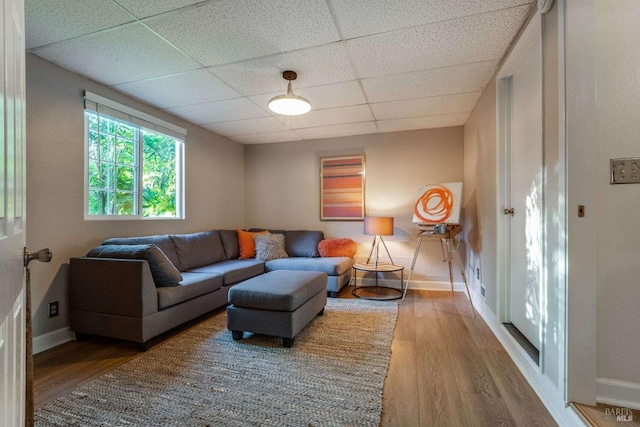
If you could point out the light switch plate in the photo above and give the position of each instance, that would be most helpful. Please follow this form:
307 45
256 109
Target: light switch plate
625 171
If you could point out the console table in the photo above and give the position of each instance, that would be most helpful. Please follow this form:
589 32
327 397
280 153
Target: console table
449 243
380 267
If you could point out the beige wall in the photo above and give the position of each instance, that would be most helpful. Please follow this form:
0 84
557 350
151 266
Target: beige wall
55 183
618 236
282 187
480 157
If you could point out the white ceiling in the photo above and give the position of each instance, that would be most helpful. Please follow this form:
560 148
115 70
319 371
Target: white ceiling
366 65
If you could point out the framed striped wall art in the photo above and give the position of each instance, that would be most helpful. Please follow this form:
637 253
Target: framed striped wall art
342 188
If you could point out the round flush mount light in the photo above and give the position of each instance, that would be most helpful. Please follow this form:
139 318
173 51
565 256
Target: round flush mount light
289 104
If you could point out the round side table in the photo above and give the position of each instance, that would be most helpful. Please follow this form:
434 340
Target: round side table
381 267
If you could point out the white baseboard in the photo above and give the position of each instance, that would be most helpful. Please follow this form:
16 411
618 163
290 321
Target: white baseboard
436 286
51 339
422 285
550 396
618 393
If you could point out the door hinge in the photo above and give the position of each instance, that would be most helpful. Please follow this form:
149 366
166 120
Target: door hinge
510 211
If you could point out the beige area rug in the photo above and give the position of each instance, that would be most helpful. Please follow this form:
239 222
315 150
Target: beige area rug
333 375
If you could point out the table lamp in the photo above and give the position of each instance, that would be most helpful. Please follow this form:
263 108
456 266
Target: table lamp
378 226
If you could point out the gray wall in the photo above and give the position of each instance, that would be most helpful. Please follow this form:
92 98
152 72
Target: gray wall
618 237
55 183
282 187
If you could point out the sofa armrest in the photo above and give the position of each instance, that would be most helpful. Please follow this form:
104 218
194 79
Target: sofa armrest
122 287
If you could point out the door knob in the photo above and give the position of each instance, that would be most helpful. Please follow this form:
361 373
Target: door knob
43 255
509 211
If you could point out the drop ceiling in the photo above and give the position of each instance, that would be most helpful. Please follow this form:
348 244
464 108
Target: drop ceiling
367 66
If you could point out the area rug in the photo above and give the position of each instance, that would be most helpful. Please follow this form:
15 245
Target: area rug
333 375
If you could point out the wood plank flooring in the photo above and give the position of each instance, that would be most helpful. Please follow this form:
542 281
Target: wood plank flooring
446 369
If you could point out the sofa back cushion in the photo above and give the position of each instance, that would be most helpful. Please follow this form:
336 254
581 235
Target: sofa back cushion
229 240
162 241
164 273
302 242
198 249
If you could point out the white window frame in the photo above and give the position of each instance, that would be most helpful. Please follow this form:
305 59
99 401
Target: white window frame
144 122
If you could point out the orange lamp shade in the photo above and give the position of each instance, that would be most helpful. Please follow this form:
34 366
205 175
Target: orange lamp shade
378 225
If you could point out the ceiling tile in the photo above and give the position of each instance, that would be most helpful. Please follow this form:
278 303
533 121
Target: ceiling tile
315 66
146 8
193 87
332 116
460 41
321 97
219 111
420 84
55 20
265 138
244 127
361 18
459 103
430 122
338 130
233 30
131 53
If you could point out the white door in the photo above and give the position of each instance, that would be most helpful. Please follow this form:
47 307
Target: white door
12 214
526 182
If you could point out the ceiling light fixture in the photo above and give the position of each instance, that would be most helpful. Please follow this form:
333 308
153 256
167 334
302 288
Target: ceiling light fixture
289 104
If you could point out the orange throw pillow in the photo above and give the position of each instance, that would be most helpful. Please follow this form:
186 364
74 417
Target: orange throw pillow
247 244
337 247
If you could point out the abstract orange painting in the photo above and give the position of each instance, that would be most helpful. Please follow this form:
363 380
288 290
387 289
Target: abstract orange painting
342 188
438 203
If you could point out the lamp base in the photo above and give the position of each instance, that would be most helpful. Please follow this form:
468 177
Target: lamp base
375 246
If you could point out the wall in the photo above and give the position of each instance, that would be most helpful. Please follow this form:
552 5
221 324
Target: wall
282 187
55 183
480 227
618 237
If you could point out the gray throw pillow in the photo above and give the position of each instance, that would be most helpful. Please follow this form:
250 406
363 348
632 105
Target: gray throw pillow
303 243
269 246
164 273
162 241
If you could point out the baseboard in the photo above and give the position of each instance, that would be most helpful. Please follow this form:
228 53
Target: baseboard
551 398
422 285
51 339
618 393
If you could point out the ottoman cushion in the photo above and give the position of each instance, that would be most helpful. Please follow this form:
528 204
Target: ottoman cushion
283 290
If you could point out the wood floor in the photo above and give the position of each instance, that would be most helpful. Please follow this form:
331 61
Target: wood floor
447 369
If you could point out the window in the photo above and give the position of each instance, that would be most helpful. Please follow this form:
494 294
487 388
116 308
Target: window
134 166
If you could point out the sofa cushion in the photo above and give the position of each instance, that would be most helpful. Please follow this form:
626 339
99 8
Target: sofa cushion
303 242
233 270
247 244
230 244
163 271
337 247
278 290
198 249
162 241
269 246
333 266
192 286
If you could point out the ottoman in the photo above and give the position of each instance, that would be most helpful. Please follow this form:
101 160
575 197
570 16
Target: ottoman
278 303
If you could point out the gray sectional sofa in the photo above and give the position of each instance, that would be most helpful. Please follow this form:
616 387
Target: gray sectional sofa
136 288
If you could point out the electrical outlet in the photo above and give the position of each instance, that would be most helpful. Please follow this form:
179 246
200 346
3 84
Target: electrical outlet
483 291
53 309
478 273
